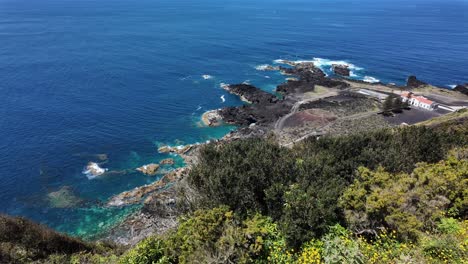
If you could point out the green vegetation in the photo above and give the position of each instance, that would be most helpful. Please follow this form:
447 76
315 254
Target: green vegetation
389 196
22 241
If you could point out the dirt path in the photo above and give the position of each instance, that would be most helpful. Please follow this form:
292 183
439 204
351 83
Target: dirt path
295 108
319 131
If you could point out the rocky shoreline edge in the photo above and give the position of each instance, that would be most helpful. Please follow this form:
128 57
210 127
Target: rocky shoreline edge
311 104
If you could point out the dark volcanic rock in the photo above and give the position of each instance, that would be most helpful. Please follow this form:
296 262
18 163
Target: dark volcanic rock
462 89
251 93
341 69
413 82
266 113
309 76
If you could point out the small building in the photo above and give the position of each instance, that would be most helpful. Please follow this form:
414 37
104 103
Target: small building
418 101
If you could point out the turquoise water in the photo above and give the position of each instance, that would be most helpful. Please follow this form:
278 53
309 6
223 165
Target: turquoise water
120 77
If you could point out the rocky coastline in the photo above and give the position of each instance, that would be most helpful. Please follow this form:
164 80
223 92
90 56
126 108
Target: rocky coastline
310 104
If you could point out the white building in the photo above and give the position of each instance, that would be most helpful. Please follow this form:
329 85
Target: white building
418 101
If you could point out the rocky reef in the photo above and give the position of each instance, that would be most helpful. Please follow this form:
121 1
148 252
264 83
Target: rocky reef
150 169
341 69
63 198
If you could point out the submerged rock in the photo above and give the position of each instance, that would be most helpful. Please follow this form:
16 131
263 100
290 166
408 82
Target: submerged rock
341 69
150 169
102 157
413 82
63 198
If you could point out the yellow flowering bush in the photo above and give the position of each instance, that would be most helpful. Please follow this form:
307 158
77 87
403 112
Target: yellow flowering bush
311 253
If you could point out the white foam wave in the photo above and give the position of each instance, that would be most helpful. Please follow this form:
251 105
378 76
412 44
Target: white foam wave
223 99
323 64
267 77
279 61
224 85
370 79
452 86
199 108
93 170
262 67
185 78
207 77
319 62
246 82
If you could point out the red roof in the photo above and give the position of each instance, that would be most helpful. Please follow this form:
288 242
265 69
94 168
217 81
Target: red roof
423 100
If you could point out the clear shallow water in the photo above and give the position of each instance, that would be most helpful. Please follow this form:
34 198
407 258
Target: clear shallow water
79 78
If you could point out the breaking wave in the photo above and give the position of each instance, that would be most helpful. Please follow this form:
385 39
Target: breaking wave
370 79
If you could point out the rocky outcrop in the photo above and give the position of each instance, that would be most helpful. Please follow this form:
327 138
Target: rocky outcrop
167 162
341 69
250 93
261 114
309 76
212 118
462 89
176 150
158 214
138 195
150 169
413 82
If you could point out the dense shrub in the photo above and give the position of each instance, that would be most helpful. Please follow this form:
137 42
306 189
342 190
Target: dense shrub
24 241
407 203
218 236
148 251
237 174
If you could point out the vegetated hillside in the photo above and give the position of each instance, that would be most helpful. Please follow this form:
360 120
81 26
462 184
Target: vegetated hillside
388 196
23 241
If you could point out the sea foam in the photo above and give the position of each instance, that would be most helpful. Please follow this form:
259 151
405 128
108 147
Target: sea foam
92 170
262 67
370 79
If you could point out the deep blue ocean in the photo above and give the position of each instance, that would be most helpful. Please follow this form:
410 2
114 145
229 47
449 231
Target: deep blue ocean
120 77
